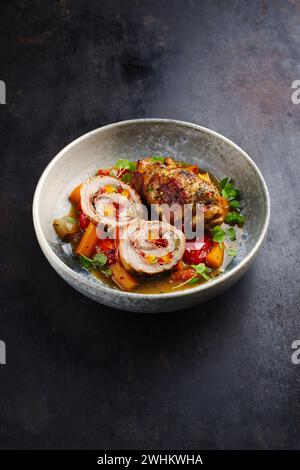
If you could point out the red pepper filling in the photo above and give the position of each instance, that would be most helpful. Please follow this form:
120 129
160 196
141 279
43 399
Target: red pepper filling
195 255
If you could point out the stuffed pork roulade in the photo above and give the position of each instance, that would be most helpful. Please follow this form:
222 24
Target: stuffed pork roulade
151 247
109 201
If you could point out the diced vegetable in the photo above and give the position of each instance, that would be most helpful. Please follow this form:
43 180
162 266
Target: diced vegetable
109 188
166 258
195 255
66 227
215 256
150 259
179 266
205 177
182 276
125 193
75 195
88 242
122 278
102 172
83 221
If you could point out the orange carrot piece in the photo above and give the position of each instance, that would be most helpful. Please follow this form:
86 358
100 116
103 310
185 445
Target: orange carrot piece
88 242
75 195
179 266
215 257
122 278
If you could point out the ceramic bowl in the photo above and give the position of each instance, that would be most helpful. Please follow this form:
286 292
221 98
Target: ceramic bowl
133 140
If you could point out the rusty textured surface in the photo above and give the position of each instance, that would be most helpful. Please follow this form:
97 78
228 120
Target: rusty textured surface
84 376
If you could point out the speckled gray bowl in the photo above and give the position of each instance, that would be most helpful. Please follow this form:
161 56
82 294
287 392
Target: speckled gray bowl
133 139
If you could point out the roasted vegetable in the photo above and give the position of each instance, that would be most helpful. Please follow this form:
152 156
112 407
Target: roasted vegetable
122 278
66 227
215 257
183 275
75 195
88 242
197 251
84 221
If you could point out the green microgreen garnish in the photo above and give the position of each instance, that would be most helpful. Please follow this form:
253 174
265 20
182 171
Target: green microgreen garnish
235 204
231 251
125 165
233 218
231 234
97 262
228 191
107 272
71 220
157 158
218 234
201 270
126 178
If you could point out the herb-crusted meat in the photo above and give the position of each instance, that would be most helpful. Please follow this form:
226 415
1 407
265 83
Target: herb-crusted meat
169 183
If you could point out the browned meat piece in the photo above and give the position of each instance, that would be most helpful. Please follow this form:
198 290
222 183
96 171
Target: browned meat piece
170 183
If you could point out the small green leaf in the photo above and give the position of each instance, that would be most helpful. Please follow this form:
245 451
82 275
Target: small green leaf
107 272
85 261
201 270
223 182
157 158
126 178
231 252
99 260
194 280
218 234
235 204
234 218
149 189
125 164
72 220
228 191
230 232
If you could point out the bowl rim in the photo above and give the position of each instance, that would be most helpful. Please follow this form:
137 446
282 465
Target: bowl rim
54 259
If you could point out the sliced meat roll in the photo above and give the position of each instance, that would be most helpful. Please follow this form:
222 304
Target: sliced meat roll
108 200
151 247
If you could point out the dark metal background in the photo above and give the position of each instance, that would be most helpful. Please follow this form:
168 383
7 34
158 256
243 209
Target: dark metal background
81 375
